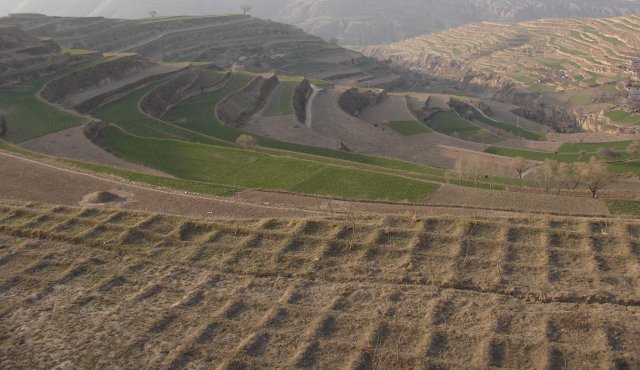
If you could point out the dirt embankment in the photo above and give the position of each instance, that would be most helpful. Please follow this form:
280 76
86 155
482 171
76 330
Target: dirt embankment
424 112
300 99
236 109
3 125
160 100
58 90
353 101
25 57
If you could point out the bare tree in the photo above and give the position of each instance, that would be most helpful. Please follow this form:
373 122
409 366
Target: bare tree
582 155
521 166
568 177
546 174
153 13
459 170
595 175
246 141
608 153
245 9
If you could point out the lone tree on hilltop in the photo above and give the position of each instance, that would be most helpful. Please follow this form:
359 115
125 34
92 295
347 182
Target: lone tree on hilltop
595 175
245 9
153 13
521 166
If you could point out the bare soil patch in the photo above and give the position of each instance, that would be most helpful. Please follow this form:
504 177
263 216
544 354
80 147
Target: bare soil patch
522 202
73 144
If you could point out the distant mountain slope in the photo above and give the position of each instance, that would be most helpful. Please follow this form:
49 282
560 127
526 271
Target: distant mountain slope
542 55
355 22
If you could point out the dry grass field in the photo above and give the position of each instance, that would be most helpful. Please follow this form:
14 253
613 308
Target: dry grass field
98 288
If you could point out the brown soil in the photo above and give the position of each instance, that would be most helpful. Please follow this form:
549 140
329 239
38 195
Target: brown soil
287 128
94 288
72 143
102 197
392 108
450 195
365 138
31 181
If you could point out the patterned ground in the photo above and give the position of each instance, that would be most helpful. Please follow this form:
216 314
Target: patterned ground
97 288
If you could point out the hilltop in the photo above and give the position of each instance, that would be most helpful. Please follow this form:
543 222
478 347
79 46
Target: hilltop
352 22
229 41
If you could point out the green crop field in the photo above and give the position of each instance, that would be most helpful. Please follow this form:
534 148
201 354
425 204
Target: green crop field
249 169
408 128
593 147
281 104
197 113
626 167
208 78
624 207
126 114
335 181
461 106
623 117
29 117
450 123
512 152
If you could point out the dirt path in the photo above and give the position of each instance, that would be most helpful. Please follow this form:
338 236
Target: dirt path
73 144
309 108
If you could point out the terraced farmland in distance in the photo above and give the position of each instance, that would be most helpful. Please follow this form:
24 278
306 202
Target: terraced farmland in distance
539 55
450 123
138 289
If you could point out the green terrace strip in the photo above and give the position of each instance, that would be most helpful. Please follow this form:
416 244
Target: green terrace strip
208 78
408 128
512 152
477 115
625 167
158 181
281 101
624 207
450 123
249 169
570 152
126 114
198 113
623 117
29 117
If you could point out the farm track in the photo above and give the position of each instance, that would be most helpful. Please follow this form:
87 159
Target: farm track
147 290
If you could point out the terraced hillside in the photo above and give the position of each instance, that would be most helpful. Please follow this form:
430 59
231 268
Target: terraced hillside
139 289
25 57
352 22
231 40
540 55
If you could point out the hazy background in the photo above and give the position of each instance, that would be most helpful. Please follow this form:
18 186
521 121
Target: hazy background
352 22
